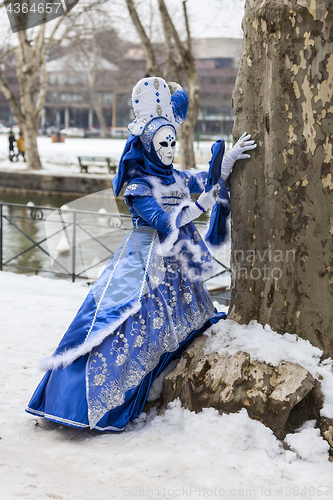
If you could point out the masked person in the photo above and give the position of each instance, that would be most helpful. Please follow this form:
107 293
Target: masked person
150 302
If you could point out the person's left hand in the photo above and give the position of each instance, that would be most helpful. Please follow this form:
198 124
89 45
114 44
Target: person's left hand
236 153
243 144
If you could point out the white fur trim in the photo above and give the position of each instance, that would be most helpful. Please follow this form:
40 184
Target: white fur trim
198 178
67 357
157 187
167 247
159 190
208 268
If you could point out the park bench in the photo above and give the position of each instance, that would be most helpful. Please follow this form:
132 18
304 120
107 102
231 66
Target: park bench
97 161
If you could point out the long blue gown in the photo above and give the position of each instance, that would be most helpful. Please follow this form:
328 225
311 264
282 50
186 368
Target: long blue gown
147 306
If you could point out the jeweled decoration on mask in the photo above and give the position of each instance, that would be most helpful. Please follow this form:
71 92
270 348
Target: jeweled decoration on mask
165 144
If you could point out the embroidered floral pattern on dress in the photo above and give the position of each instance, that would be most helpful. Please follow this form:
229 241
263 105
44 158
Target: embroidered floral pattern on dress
99 379
169 313
121 359
157 323
175 303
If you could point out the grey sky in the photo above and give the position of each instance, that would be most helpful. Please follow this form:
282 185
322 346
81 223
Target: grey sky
208 18
215 18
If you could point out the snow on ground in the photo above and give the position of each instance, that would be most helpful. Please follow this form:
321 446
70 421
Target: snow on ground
60 158
57 157
175 455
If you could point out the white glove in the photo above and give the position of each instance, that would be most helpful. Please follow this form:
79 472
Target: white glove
236 153
204 203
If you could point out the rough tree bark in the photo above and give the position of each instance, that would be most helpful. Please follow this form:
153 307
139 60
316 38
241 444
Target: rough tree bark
281 204
181 61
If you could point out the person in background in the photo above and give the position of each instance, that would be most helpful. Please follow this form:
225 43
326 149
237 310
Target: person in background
11 139
21 146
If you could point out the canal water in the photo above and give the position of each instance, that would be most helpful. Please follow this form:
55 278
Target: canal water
37 238
46 200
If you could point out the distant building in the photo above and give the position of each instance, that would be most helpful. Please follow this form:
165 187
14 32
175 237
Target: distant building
69 101
217 61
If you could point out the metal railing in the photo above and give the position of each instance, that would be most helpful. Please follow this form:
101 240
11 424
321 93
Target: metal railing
65 243
39 239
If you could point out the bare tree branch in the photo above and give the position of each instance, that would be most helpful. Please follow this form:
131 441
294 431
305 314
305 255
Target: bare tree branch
32 75
181 60
11 98
166 19
153 67
7 53
50 39
175 68
189 42
42 84
39 42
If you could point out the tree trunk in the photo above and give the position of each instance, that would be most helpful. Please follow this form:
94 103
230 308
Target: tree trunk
29 130
185 137
99 112
281 203
29 63
186 131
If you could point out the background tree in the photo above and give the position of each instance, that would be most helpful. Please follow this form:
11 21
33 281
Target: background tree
282 198
27 106
181 61
31 49
86 49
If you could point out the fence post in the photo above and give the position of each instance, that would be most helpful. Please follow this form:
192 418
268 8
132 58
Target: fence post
73 246
1 259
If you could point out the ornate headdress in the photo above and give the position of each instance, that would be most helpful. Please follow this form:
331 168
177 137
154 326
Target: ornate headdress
155 103
151 99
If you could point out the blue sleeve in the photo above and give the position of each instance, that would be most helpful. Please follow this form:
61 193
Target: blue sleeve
198 182
150 211
195 181
136 189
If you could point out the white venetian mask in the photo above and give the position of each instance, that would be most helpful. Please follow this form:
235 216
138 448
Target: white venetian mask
165 144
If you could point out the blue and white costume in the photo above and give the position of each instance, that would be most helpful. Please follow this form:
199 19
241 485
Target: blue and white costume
150 301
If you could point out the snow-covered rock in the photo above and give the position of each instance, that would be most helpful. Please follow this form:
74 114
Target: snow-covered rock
231 382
